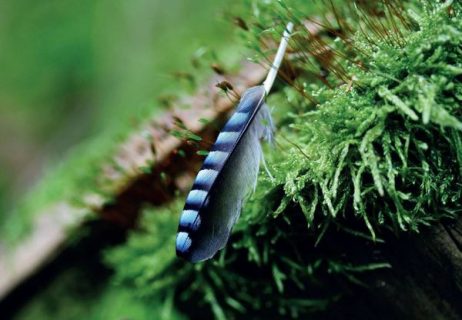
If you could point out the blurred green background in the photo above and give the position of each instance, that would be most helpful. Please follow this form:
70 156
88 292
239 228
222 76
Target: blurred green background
76 71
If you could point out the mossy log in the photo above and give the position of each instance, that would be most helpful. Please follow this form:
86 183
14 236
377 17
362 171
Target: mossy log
134 178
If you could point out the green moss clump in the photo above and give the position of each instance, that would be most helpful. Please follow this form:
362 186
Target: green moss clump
389 148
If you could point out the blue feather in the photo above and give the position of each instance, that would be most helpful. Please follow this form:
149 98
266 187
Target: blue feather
228 174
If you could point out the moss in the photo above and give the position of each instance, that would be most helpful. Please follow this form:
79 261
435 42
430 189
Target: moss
387 147
382 154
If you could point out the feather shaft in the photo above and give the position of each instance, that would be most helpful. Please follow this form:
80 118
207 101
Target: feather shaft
268 83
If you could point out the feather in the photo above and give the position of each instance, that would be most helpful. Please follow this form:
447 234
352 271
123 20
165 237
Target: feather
228 174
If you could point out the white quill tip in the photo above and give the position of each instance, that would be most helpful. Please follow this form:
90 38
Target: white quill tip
278 59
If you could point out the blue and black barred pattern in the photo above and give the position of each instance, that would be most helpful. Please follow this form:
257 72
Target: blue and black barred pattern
228 172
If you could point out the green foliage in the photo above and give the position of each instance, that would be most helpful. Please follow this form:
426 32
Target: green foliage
382 154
